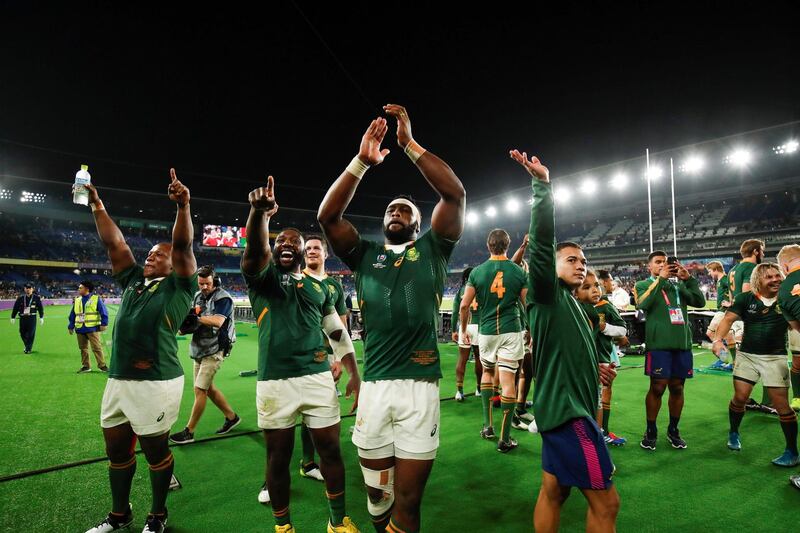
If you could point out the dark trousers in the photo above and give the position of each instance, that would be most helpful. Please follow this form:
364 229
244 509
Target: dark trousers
27 330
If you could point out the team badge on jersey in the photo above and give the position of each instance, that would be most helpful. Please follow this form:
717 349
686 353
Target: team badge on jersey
413 254
317 287
380 261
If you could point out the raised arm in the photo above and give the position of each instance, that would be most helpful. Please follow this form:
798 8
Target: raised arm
520 253
448 215
257 253
183 261
689 289
341 234
542 245
119 253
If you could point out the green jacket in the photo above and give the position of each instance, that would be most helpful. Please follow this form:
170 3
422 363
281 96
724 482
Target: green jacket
652 296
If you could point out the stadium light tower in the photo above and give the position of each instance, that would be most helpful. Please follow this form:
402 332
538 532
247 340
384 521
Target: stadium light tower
472 218
739 158
5 194
619 181
512 205
589 186
788 148
491 211
561 195
693 164
654 173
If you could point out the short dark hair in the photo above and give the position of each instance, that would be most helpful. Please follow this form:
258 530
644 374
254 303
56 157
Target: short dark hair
88 284
317 237
656 253
567 244
498 241
465 275
604 274
206 271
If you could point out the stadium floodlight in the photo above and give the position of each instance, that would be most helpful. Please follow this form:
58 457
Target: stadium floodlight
561 195
32 197
472 218
491 211
655 173
589 186
512 205
739 157
619 181
692 165
788 148
5 194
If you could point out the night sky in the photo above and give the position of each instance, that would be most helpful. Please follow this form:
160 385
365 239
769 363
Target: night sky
230 95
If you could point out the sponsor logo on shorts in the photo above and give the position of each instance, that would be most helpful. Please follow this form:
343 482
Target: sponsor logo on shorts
160 417
433 431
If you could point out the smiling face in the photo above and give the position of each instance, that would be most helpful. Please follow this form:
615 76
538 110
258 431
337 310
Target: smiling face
159 261
288 250
769 281
315 254
400 223
589 290
571 266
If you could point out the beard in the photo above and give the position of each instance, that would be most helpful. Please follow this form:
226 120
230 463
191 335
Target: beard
401 236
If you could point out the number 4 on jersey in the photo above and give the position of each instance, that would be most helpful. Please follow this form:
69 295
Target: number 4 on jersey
497 285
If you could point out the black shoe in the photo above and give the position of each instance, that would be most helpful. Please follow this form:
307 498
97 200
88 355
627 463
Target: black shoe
675 440
103 369
648 442
113 523
155 523
752 405
84 369
488 433
505 447
229 424
26 351
184 437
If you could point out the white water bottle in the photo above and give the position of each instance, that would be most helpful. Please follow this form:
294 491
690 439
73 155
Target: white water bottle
80 194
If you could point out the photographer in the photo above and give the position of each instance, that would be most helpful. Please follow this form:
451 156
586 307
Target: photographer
210 320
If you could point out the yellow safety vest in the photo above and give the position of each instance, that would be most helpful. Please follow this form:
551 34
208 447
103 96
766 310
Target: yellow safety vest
87 317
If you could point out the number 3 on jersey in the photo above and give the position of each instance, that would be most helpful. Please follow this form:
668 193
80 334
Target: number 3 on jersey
497 285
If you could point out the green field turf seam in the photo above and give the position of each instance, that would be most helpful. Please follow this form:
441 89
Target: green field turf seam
83 462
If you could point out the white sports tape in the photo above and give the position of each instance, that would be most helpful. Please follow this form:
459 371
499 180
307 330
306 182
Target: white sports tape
332 323
382 480
357 167
414 151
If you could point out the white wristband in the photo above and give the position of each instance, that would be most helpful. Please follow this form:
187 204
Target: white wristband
414 151
97 206
357 167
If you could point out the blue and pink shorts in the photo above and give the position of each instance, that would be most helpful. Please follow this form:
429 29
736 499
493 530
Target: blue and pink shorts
576 454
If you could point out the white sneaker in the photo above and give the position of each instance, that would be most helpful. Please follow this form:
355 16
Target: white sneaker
526 416
532 427
112 523
459 396
313 472
263 495
478 393
517 423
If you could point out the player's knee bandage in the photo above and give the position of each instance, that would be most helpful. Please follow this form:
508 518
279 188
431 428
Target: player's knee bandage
382 480
508 366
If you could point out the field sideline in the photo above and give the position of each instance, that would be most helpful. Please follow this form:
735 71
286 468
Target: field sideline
50 417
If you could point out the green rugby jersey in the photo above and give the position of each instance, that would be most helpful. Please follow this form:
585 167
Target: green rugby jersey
399 296
565 356
289 311
656 296
765 330
789 295
474 310
334 288
738 276
498 283
144 345
723 292
606 313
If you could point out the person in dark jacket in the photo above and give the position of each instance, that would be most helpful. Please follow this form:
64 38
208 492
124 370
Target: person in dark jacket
27 306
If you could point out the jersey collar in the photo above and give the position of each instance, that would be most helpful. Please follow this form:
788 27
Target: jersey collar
308 273
397 248
503 257
150 281
795 269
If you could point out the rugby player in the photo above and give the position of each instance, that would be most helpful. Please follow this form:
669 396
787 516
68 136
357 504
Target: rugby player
668 338
464 347
499 284
525 376
568 372
717 273
609 330
761 357
294 377
399 284
145 382
752 252
789 302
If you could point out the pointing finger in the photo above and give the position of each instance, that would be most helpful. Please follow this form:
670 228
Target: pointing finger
172 175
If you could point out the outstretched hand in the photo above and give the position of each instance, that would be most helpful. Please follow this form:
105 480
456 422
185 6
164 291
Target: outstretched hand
94 197
403 123
263 198
534 167
370 150
178 192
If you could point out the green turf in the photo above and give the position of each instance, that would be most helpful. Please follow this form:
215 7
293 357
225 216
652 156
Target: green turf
50 416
